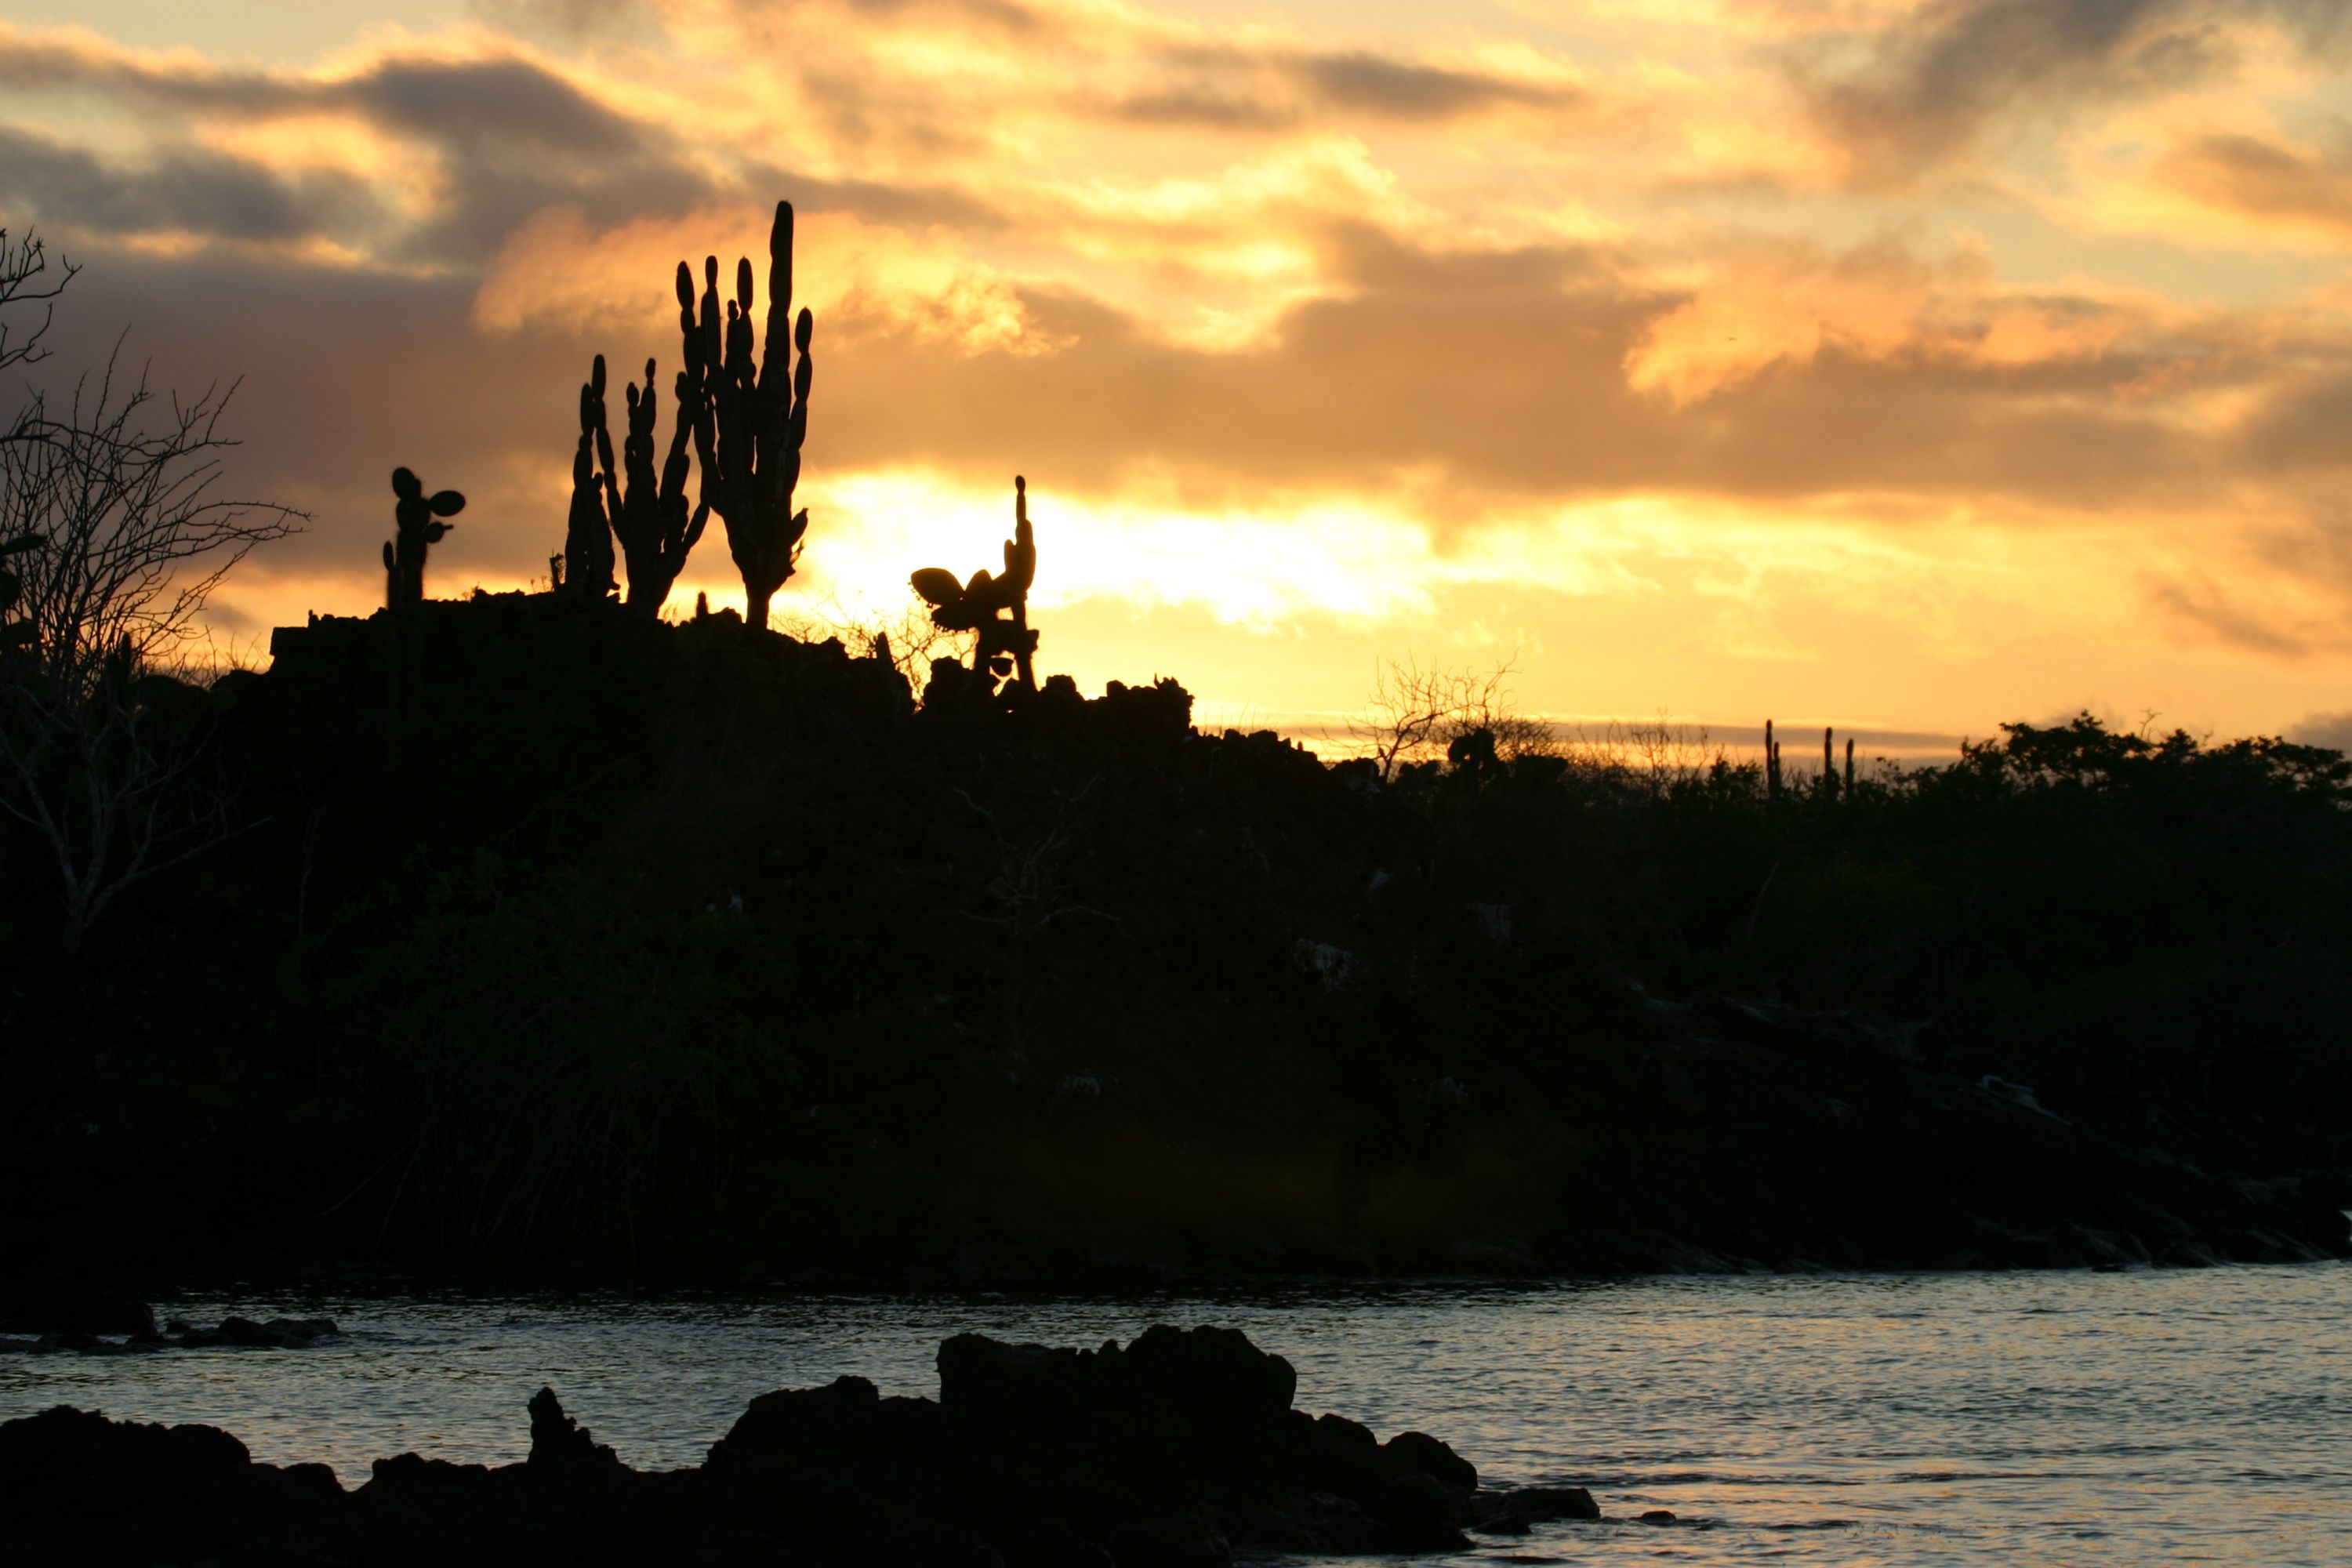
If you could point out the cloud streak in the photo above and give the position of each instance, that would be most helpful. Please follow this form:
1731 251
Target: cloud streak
1312 327
1929 87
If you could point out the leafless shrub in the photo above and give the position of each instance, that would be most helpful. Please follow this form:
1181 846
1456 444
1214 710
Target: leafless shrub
26 280
118 539
1415 713
1654 756
908 637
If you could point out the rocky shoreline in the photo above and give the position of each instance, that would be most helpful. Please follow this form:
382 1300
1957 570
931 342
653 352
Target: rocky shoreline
1172 1451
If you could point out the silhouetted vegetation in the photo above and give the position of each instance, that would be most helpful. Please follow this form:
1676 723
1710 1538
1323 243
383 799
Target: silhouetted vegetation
694 947
538 932
418 518
996 609
115 535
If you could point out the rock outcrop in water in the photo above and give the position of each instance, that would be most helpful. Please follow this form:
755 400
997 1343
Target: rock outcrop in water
1171 1451
71 1317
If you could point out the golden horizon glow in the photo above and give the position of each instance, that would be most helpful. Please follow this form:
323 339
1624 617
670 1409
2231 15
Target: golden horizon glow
1910 365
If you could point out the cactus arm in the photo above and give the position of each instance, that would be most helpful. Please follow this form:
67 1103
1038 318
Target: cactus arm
645 421
936 585
603 432
1021 550
780 296
693 389
685 322
793 418
674 465
1020 568
714 346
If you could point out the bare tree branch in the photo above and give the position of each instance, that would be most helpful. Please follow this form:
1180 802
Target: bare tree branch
26 280
908 637
116 538
1414 713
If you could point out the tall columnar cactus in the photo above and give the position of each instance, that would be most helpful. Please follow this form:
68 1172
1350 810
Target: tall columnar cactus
646 514
1004 646
1771 766
588 534
15 635
656 529
749 421
418 516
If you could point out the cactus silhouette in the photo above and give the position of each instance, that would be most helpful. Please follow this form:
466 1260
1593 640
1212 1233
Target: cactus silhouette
749 421
14 634
656 530
588 532
418 516
647 514
1005 646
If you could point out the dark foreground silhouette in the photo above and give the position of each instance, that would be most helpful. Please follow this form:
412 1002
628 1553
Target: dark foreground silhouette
1170 1452
530 935
558 942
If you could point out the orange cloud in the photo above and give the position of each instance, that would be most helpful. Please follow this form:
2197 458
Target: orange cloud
1576 341
1751 309
2279 185
554 270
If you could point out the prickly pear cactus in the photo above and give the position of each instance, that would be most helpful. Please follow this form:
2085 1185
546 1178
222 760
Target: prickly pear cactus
749 421
995 607
418 520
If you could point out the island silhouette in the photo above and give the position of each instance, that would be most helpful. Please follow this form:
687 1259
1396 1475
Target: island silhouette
533 934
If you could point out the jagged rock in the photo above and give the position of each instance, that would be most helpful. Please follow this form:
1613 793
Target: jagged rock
100 1490
847 1422
1432 1459
557 1440
278 1333
1171 1389
1171 1451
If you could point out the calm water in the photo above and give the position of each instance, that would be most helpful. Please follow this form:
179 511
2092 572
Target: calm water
2048 1419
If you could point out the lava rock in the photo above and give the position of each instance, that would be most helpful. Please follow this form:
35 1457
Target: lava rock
278 1333
557 1440
1170 1452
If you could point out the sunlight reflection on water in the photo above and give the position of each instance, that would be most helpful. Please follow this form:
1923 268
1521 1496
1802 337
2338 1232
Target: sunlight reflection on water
2055 1418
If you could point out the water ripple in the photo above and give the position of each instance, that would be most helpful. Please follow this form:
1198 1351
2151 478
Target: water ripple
1938 1419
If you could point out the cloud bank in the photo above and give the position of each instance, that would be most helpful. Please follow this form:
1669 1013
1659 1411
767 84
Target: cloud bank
1941 288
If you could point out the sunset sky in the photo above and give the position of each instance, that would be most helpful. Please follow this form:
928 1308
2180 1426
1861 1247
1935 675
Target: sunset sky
1902 364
